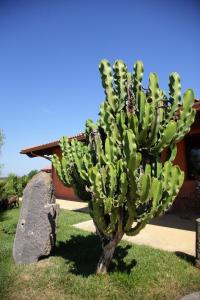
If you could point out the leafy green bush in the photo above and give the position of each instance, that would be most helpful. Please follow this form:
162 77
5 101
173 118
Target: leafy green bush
14 185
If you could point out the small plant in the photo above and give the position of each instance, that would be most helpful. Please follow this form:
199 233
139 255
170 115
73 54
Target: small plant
12 187
118 168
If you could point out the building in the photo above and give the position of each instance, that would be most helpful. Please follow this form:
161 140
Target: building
188 158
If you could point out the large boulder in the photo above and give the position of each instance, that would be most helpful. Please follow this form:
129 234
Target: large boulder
36 230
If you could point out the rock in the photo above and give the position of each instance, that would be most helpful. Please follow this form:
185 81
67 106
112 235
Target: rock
36 230
193 296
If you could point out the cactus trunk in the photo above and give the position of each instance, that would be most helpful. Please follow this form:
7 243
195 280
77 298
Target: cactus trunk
108 249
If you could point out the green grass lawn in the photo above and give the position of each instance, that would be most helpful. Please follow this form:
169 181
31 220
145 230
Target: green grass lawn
137 272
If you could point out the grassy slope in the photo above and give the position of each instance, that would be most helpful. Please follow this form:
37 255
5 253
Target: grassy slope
137 272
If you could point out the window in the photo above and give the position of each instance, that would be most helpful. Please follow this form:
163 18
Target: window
193 157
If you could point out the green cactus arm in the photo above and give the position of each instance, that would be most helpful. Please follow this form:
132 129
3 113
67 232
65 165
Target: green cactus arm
64 145
90 127
95 180
99 152
132 195
146 124
136 229
188 123
161 107
155 194
69 159
108 203
165 137
107 82
87 160
109 179
145 184
99 216
174 93
187 115
156 169
173 152
57 165
66 177
153 191
129 149
77 155
188 101
173 181
111 150
153 96
120 80
106 117
121 120
172 172
163 113
123 187
166 173
155 126
153 89
137 76
141 102
133 124
132 216
112 179
114 218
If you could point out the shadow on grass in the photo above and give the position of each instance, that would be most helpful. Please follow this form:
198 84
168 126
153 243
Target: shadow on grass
83 253
3 216
188 258
83 210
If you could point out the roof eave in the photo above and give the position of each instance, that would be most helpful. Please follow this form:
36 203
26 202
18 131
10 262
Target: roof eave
38 150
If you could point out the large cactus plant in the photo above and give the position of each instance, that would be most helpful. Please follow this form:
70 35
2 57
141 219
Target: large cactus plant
118 168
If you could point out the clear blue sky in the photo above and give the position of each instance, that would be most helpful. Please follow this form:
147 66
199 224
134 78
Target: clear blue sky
49 55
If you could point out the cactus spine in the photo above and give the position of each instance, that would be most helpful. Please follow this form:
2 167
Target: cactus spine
118 169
